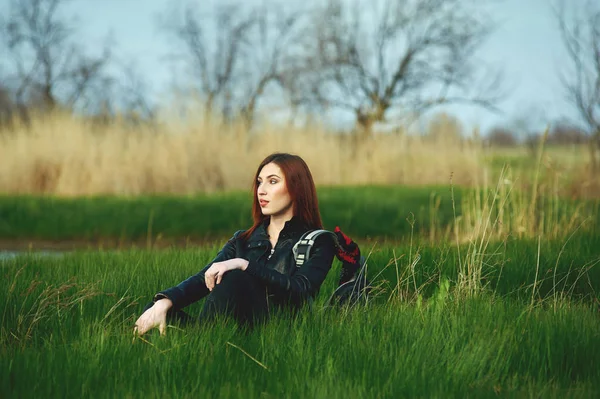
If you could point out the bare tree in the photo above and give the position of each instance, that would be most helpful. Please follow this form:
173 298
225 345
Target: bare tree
273 39
563 132
134 94
234 52
212 57
501 136
50 66
125 95
581 37
7 106
374 58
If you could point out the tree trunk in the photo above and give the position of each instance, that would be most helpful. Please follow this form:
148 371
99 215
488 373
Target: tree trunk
360 138
594 145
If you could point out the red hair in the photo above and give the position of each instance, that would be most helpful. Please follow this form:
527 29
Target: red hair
300 186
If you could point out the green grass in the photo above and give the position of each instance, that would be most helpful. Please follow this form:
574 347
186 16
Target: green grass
395 214
523 322
360 211
67 323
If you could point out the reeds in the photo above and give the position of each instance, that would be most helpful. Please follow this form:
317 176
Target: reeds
44 306
68 156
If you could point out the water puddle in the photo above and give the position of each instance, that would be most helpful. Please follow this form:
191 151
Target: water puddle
8 255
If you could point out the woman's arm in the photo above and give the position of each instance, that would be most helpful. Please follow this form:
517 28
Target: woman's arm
308 279
194 288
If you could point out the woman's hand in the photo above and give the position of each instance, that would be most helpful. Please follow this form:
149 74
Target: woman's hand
156 316
215 272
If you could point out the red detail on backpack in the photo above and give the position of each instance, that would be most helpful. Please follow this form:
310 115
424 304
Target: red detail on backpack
346 238
349 257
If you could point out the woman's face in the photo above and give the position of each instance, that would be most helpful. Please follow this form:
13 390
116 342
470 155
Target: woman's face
273 196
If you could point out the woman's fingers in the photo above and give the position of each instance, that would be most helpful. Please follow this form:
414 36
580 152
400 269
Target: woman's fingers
136 328
213 276
215 273
141 326
149 319
209 279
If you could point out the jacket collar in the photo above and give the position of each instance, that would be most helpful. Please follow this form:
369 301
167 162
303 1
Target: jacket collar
293 226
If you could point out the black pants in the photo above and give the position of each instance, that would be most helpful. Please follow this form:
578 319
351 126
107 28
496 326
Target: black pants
239 296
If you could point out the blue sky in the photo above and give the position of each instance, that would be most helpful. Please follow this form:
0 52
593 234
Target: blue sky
526 45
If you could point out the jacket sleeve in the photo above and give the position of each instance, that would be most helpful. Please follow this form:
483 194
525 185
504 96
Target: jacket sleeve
194 288
308 278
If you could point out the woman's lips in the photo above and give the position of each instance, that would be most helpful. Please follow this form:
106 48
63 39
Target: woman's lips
263 203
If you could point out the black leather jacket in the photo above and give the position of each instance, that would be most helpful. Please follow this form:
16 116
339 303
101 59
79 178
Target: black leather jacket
284 281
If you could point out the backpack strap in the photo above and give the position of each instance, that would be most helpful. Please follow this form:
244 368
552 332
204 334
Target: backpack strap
302 248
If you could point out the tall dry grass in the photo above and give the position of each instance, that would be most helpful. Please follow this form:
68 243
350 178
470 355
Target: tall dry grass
69 156
490 215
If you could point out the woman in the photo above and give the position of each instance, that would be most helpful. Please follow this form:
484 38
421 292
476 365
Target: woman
255 271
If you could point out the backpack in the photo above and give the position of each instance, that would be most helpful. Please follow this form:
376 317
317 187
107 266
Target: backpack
350 293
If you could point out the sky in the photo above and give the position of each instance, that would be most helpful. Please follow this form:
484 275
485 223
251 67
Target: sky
526 45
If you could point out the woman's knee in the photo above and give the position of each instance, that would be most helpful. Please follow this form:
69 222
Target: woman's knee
234 277
236 283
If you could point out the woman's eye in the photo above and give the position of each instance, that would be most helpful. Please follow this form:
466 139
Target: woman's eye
272 181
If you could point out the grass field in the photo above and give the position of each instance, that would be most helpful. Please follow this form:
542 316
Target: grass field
530 328
506 313
396 213
485 291
372 212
